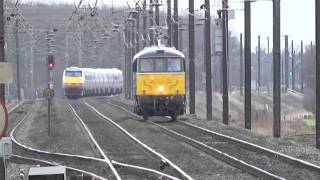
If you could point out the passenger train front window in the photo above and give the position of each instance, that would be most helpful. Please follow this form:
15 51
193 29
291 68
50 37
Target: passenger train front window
73 73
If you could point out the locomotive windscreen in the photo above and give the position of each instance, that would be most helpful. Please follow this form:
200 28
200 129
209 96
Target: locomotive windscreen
160 65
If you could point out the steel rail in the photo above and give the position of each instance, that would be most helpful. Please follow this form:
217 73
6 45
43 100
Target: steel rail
56 164
257 148
15 107
164 159
46 152
251 146
214 152
134 166
143 169
107 160
221 155
295 92
80 157
42 151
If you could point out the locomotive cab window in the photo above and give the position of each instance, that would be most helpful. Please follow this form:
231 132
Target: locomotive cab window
174 65
146 65
161 65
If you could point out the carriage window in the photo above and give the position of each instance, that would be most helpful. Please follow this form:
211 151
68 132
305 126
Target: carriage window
160 65
146 65
174 65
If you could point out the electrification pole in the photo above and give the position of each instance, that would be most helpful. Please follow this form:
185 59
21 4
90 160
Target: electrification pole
2 89
2 86
191 58
317 10
259 64
67 50
176 22
131 57
247 64
292 67
17 59
126 59
268 41
80 49
144 23
301 68
286 57
208 59
181 29
151 22
225 97
32 70
169 33
276 70
241 65
138 30
157 13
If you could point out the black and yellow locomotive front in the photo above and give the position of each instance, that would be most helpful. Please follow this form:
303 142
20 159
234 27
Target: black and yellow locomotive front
160 83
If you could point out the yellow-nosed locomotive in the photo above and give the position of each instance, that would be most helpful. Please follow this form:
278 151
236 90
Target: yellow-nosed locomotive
159 80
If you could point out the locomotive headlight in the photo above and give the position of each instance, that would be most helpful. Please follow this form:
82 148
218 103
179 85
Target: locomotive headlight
160 88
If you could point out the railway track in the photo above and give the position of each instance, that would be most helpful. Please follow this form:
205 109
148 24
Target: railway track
254 159
75 164
295 92
132 158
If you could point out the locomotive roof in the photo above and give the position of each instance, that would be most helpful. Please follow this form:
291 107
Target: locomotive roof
73 69
158 51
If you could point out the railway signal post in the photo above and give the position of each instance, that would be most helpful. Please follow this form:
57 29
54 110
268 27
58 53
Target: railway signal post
48 93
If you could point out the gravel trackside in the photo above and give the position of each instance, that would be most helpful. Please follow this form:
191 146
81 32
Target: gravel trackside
66 134
304 148
194 162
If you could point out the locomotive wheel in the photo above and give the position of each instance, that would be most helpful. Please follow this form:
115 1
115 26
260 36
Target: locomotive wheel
145 117
174 117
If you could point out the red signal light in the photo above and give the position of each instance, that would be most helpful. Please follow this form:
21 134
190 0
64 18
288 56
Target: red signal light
50 61
50 66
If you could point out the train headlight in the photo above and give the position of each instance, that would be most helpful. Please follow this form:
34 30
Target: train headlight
160 88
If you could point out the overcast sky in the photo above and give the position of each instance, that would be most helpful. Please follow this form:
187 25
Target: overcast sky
297 16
